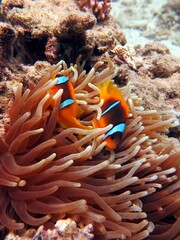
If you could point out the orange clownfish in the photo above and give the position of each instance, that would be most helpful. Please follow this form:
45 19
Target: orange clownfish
114 111
69 109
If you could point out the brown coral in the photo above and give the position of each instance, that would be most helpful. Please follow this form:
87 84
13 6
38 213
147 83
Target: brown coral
54 30
100 8
46 28
50 173
157 78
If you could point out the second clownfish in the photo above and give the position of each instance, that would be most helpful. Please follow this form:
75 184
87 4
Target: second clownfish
69 110
114 111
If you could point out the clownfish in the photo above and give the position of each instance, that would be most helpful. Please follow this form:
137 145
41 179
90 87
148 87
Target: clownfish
69 110
114 111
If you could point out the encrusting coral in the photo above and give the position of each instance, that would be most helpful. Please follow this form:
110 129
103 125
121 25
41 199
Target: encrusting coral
48 173
54 29
46 27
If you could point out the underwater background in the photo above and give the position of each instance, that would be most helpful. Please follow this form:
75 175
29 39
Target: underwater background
60 176
145 21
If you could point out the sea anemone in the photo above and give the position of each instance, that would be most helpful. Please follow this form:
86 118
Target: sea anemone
100 8
48 173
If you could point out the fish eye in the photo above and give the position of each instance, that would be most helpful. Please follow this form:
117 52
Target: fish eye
112 137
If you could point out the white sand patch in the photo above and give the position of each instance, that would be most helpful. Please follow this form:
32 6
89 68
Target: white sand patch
139 20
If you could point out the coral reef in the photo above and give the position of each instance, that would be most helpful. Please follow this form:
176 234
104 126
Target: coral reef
157 79
42 33
38 25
